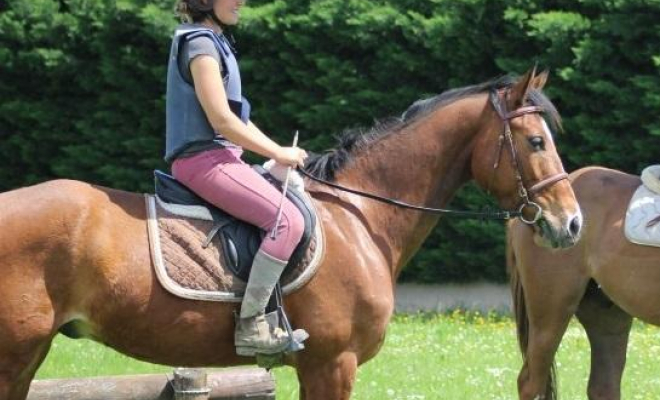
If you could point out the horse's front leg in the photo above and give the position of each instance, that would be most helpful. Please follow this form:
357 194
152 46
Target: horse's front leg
552 295
535 381
327 379
608 328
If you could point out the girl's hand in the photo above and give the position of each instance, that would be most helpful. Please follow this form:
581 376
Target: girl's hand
291 156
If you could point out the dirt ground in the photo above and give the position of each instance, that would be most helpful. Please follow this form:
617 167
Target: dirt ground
475 296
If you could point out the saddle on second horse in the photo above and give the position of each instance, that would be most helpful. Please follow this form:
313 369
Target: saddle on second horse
642 223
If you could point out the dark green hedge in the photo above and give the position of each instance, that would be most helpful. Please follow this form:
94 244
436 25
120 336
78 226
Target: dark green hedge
82 85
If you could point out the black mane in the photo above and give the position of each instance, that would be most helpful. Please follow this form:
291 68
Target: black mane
351 141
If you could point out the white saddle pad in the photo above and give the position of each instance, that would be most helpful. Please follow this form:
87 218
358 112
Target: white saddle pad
644 207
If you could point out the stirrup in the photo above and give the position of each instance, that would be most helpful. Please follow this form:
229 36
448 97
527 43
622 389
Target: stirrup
293 344
272 339
299 335
270 361
259 351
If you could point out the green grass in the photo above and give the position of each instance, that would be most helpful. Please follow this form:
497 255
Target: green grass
453 356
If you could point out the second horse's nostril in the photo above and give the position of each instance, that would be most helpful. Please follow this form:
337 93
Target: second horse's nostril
574 226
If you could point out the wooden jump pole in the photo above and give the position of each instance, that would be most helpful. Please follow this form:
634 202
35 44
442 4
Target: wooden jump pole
190 384
229 384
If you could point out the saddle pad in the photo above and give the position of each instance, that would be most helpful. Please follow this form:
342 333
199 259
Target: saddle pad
643 209
188 270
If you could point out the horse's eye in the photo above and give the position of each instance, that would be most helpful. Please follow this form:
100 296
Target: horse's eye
537 142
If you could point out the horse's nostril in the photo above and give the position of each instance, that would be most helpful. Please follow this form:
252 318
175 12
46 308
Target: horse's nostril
574 227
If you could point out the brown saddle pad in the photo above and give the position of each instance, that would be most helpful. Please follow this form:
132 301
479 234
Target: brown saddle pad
188 270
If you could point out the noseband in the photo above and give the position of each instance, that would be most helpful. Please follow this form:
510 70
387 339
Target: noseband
507 136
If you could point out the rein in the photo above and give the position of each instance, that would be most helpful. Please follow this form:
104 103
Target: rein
496 215
524 193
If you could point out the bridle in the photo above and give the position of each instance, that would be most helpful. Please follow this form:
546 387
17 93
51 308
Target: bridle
524 193
506 135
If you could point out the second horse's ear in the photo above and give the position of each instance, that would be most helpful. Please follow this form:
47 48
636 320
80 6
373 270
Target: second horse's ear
518 93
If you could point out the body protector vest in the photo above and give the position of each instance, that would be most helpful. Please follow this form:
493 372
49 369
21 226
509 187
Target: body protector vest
186 122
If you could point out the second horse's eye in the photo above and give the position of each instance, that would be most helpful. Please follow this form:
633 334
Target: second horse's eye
537 143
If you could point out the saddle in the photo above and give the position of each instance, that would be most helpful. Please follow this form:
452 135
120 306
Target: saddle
642 224
240 241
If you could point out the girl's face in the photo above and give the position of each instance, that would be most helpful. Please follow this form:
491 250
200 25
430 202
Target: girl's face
228 11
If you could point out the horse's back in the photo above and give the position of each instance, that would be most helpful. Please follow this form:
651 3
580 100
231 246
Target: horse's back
590 184
66 196
604 195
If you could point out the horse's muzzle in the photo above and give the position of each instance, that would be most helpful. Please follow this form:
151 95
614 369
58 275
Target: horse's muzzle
558 232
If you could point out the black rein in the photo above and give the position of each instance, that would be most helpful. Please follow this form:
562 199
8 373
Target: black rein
495 215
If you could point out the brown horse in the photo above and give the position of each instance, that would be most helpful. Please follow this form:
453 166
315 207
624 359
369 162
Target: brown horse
70 251
604 280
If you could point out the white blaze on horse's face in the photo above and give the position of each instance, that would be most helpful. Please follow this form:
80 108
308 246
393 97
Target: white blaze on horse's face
547 131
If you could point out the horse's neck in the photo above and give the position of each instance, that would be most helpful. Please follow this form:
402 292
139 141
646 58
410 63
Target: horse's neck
424 164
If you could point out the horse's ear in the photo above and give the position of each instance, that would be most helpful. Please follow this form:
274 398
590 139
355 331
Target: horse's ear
518 94
540 80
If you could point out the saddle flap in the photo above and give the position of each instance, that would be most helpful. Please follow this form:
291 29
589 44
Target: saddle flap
170 190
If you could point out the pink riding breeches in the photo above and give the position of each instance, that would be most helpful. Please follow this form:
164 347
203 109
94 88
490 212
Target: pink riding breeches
220 177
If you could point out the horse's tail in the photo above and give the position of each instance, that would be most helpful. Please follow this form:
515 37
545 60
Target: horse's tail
520 311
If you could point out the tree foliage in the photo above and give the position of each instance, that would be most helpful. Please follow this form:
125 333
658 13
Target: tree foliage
82 85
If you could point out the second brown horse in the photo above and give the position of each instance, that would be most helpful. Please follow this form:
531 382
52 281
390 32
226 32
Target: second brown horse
605 280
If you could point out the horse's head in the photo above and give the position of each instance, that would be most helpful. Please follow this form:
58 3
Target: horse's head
515 158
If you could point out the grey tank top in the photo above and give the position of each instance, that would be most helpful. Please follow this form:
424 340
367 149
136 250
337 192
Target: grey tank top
188 131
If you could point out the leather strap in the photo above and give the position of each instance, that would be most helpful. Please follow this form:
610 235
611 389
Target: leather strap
496 215
538 186
522 111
